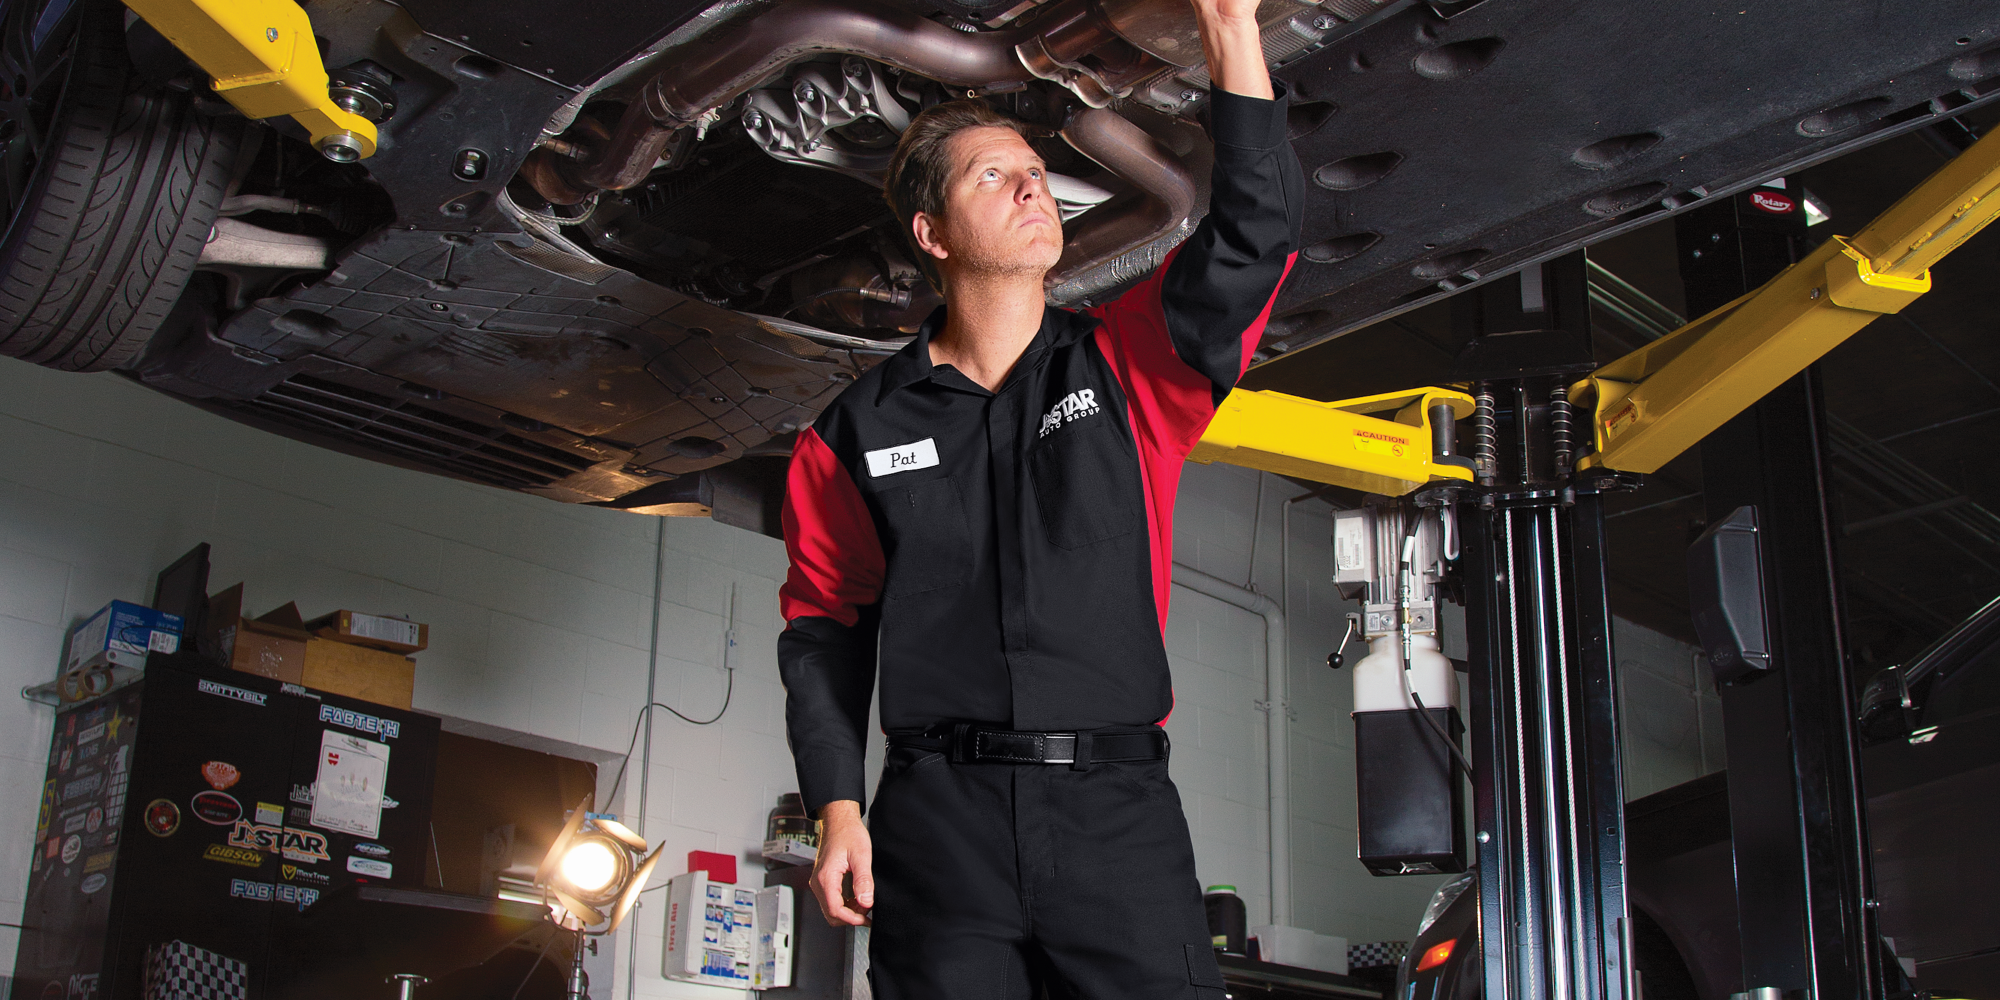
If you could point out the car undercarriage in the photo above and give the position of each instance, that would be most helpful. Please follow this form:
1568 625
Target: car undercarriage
620 254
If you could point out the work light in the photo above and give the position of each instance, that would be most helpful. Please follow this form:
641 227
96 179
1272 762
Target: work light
594 871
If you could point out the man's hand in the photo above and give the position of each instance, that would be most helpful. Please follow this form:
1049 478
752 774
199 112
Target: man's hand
1235 50
844 851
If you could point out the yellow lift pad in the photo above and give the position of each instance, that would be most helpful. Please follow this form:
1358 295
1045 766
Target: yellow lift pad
1338 442
262 58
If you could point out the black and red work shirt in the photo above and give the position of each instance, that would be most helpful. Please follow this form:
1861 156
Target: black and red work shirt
1011 550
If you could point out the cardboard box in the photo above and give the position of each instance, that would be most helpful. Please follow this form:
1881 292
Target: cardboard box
273 645
397 635
121 634
375 675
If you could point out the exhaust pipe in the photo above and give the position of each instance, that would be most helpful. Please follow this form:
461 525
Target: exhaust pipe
1164 200
746 55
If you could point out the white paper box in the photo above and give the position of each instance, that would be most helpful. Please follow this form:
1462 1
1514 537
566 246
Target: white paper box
774 938
711 932
1300 948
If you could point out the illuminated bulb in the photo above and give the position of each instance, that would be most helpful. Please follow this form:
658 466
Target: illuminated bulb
589 866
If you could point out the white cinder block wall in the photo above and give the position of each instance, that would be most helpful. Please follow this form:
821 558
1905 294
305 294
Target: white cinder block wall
542 618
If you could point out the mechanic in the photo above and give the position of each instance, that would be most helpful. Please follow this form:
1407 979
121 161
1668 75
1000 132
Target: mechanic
994 506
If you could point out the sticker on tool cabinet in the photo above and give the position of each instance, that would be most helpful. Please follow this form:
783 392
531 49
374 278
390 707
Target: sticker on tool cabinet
294 845
294 873
347 794
265 892
256 698
370 867
361 722
219 775
233 856
162 817
92 883
215 808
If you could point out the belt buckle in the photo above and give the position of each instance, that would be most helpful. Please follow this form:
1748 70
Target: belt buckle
1052 743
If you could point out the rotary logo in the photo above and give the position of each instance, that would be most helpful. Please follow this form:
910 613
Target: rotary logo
1772 202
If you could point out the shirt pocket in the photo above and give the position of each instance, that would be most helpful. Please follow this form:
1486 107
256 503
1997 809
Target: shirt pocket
1086 484
931 540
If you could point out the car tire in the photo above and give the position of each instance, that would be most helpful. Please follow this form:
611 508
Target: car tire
112 213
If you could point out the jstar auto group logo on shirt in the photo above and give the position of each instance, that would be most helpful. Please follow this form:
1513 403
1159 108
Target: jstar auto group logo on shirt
1075 406
294 845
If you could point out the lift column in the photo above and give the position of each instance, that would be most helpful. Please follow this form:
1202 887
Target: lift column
1795 817
1549 798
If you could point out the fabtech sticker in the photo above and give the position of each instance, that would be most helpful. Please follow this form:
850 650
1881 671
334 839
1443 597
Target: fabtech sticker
264 892
294 845
360 722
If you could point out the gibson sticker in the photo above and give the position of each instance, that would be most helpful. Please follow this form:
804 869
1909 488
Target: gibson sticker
234 855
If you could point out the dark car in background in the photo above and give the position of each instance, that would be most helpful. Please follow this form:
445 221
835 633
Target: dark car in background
1931 769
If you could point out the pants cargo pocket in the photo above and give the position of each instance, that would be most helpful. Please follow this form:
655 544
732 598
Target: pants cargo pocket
1202 970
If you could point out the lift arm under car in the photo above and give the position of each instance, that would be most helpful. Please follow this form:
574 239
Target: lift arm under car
1661 399
263 59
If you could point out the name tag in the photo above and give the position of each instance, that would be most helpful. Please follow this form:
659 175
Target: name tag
902 458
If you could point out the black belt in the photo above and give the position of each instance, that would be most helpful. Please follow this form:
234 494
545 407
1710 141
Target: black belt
970 743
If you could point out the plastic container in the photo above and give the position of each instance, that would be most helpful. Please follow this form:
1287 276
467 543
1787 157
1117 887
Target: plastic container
789 819
1228 922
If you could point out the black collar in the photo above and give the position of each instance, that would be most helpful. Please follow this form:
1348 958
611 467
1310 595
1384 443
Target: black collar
912 364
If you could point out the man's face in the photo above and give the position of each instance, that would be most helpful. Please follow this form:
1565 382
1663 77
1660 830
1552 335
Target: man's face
998 217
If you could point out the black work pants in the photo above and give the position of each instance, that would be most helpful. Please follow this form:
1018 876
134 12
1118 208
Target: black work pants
995 879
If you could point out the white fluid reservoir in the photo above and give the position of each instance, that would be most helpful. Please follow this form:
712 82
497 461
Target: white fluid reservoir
1378 678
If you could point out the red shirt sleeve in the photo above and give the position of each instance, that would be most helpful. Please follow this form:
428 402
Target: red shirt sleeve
836 556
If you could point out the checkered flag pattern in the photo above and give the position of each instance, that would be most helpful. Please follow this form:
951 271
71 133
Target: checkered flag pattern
180 971
1376 953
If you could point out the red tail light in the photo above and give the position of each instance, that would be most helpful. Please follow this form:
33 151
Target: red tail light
1435 956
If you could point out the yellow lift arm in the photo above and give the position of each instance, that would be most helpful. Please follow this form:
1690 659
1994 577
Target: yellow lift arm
1339 442
264 61
1658 401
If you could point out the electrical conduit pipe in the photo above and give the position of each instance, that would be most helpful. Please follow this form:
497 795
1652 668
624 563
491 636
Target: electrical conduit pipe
1277 734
